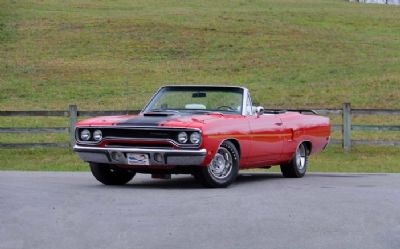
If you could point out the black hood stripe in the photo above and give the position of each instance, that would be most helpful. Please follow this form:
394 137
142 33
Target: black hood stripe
151 120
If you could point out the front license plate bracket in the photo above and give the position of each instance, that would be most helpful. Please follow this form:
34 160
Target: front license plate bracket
138 159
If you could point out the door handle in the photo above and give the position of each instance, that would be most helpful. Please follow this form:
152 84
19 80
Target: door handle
278 124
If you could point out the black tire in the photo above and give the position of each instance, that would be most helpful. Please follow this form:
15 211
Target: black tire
296 168
109 175
207 176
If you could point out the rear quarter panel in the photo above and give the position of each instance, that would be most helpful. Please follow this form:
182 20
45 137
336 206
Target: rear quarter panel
305 127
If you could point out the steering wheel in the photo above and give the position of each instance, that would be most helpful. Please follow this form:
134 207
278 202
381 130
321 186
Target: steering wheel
225 107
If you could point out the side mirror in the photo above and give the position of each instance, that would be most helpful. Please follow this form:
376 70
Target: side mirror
259 110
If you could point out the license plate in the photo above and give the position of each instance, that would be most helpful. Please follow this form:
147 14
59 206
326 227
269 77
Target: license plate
138 159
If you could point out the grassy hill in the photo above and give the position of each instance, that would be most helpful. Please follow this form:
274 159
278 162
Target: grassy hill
113 54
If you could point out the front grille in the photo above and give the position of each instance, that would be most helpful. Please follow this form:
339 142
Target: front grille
135 133
139 145
138 134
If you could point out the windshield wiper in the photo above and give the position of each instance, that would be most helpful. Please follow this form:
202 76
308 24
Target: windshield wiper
163 110
207 112
199 111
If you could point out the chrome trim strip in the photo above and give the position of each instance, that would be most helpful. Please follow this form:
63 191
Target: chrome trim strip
127 127
172 157
246 97
151 99
77 148
245 94
168 141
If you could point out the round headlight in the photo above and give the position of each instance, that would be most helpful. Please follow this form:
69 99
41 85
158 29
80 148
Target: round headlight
97 135
85 135
182 137
195 138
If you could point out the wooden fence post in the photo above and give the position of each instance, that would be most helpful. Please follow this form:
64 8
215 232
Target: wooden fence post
346 127
73 117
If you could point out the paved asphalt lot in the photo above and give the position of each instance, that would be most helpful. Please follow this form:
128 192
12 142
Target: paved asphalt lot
72 210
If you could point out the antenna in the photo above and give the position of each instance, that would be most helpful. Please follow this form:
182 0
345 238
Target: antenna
127 96
127 90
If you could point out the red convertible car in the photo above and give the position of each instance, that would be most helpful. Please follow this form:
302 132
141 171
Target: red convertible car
208 131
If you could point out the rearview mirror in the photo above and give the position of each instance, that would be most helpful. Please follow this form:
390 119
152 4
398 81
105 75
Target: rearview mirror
199 95
259 110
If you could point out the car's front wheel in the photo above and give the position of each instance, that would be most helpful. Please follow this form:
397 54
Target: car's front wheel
109 175
222 170
297 167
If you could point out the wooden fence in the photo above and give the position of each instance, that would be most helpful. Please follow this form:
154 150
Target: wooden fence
73 113
393 2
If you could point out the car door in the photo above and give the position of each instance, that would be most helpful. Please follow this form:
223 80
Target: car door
267 138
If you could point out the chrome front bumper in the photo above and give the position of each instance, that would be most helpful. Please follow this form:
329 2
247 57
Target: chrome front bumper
117 155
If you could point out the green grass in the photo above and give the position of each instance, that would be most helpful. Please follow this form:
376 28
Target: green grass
377 159
115 54
54 159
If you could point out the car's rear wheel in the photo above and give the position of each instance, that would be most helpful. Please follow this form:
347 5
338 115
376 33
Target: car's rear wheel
222 170
109 175
297 167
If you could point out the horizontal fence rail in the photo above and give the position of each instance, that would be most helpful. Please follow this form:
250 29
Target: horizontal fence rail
34 145
106 113
73 113
319 111
375 112
66 113
336 127
375 127
34 130
35 113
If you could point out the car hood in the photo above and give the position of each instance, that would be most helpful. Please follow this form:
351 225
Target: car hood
155 120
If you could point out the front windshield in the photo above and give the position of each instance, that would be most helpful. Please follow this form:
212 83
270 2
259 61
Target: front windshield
197 99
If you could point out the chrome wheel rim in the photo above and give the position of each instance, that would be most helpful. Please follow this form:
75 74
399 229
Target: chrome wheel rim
221 165
301 157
